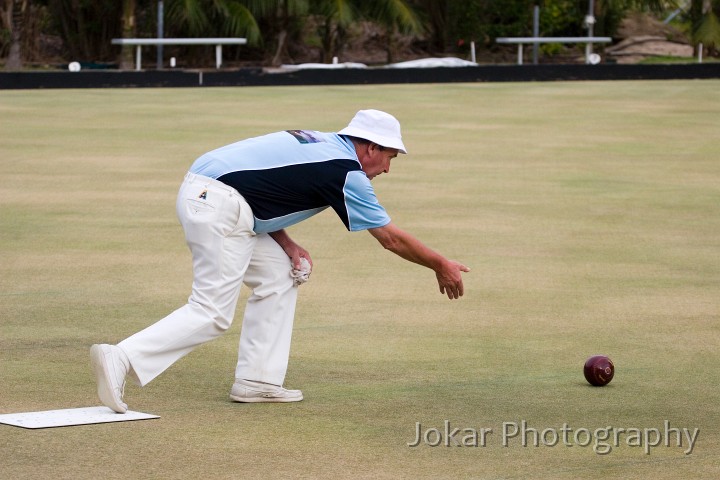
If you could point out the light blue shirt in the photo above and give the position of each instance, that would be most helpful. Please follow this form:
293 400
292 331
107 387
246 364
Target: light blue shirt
289 176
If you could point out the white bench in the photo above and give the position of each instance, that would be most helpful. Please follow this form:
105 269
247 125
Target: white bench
535 40
218 42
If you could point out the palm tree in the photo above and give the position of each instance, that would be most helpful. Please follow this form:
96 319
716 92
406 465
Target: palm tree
195 18
397 16
13 20
128 31
212 17
337 16
705 23
281 16
436 14
86 28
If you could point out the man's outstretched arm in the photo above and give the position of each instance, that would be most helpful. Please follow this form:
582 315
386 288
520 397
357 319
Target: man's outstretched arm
448 272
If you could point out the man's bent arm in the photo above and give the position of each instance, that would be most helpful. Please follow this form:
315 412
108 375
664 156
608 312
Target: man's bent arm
293 250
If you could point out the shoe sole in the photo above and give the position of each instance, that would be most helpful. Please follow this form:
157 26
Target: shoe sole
265 399
102 375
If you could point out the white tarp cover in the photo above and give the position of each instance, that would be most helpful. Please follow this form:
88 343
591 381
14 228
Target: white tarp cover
419 63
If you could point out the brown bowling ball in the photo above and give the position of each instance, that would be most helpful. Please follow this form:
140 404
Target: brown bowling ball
599 370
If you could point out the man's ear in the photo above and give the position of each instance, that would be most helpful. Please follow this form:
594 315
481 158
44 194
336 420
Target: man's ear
374 146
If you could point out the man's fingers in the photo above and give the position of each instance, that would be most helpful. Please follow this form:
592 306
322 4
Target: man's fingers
452 292
451 283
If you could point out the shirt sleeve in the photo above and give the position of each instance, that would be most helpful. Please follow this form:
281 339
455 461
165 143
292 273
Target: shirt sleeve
362 206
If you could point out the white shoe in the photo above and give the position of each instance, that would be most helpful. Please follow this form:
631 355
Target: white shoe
110 365
248 391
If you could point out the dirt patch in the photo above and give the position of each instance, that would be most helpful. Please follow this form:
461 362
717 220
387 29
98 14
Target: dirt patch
640 24
635 49
643 36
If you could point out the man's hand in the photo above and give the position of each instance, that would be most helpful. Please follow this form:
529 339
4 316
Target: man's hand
450 280
292 249
302 274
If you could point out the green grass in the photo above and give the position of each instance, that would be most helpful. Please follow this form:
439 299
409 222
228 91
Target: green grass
588 211
670 59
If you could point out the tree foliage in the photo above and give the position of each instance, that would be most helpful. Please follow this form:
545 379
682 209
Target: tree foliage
22 23
706 26
277 29
87 26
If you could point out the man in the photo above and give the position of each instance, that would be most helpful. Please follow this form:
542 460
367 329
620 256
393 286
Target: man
234 206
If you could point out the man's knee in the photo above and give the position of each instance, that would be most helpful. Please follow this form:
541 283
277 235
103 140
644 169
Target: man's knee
222 320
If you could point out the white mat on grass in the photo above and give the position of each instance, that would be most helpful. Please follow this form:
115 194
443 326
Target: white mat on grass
70 417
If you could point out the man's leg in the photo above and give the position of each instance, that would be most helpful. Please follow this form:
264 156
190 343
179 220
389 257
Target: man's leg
221 247
218 229
267 325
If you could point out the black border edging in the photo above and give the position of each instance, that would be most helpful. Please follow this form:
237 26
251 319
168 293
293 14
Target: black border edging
258 77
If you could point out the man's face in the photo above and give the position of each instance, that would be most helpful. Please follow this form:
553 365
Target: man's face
376 159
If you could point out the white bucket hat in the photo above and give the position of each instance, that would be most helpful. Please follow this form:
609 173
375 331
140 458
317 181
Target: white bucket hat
376 126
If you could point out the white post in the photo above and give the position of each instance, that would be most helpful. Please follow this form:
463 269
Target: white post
472 51
536 32
520 54
589 22
700 52
218 56
138 57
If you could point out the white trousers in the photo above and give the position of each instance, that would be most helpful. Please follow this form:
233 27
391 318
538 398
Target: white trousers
218 225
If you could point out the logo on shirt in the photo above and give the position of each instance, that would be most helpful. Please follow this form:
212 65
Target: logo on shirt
203 195
305 136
